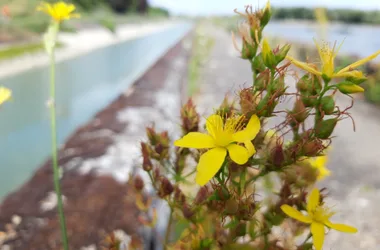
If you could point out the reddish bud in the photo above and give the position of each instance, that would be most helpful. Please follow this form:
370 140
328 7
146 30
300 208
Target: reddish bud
166 188
313 148
179 196
152 135
189 117
201 195
147 163
278 156
138 183
187 211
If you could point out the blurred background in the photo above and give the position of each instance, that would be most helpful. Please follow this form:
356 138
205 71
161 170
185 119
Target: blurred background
128 63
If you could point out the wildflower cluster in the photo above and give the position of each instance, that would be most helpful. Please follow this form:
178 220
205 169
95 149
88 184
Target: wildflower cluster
251 179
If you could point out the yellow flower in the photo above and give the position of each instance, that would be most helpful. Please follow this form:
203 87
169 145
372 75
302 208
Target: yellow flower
5 94
58 11
327 56
220 139
319 163
318 217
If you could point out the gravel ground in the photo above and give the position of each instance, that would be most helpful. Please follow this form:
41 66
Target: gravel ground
354 161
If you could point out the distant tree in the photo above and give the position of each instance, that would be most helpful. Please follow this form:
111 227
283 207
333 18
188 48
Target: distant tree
142 6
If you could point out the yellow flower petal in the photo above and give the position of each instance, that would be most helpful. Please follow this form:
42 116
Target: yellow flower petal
249 133
214 123
304 66
238 154
5 94
209 164
341 227
250 148
359 63
295 214
195 140
313 201
318 232
354 74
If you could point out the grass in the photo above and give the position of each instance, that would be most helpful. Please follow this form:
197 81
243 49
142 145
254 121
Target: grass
201 48
19 50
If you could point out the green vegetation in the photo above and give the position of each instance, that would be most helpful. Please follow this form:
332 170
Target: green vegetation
201 48
18 50
339 15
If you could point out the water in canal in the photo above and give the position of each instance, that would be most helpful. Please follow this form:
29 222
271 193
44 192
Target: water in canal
85 85
361 40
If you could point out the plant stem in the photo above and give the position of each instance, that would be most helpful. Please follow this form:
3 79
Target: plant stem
56 176
168 227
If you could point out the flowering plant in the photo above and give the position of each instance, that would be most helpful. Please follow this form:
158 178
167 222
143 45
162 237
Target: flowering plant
232 162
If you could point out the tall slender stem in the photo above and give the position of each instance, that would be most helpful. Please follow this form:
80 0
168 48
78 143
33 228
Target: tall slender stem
56 176
168 229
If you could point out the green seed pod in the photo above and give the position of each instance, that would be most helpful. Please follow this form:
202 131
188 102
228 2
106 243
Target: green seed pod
282 53
302 84
231 207
223 194
258 63
299 111
325 128
328 104
308 100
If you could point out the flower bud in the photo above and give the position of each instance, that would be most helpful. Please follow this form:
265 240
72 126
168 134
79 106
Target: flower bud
156 173
152 135
277 156
231 207
325 128
248 100
201 195
266 15
187 211
223 194
312 148
328 104
258 63
138 183
268 55
302 84
349 88
282 53
262 80
189 117
166 188
277 87
356 77
147 164
299 111
179 197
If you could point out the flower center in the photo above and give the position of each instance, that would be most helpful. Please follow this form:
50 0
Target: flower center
321 214
224 135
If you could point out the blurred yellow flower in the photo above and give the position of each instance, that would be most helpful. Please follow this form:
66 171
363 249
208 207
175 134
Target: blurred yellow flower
319 163
327 56
58 11
5 94
222 137
318 217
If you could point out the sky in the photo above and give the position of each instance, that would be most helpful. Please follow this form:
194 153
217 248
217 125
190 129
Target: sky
204 7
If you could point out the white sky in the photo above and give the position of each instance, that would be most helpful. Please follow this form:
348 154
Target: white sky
204 7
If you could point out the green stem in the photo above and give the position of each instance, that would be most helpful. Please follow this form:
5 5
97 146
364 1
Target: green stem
168 227
56 176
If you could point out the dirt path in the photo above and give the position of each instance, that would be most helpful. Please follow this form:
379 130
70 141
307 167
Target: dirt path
355 183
